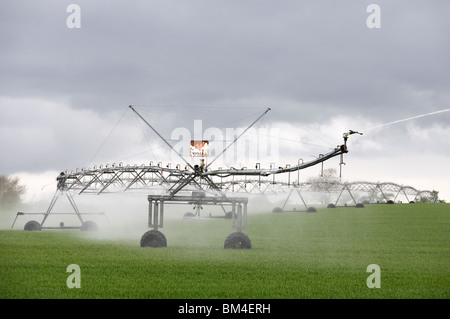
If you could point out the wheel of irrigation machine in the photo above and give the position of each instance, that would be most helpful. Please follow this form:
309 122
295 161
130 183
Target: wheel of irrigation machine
89 226
238 240
277 210
188 215
311 210
32 225
153 238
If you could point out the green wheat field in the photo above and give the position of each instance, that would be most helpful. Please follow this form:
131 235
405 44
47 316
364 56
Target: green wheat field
294 255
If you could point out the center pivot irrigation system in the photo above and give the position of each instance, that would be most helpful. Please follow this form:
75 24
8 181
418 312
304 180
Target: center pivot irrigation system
197 185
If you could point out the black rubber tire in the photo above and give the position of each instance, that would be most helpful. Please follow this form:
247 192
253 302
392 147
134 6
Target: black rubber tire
237 240
188 215
360 205
89 226
331 205
390 202
153 238
277 210
32 225
311 210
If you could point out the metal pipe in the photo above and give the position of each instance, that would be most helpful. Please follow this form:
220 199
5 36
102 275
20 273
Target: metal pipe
148 124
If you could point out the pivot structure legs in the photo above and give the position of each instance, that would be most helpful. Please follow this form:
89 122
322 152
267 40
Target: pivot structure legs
237 240
282 209
36 226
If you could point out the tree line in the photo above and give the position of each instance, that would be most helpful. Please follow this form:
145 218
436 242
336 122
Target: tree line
11 191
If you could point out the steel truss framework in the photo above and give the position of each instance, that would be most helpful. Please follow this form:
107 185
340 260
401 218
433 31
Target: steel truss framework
128 178
172 180
375 190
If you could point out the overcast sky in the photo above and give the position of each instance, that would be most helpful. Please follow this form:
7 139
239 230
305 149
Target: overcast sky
64 91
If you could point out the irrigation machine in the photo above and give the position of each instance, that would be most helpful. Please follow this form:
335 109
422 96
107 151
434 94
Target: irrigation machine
200 185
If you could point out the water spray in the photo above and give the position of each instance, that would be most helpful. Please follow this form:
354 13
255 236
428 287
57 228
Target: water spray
406 119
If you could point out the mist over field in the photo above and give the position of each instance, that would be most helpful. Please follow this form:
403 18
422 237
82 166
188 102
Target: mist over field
205 69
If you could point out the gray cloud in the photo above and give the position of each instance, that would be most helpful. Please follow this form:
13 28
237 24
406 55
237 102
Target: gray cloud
311 61
201 52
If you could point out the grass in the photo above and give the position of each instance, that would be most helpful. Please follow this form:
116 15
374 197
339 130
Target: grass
294 255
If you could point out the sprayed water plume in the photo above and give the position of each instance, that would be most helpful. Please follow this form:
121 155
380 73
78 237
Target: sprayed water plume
405 119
